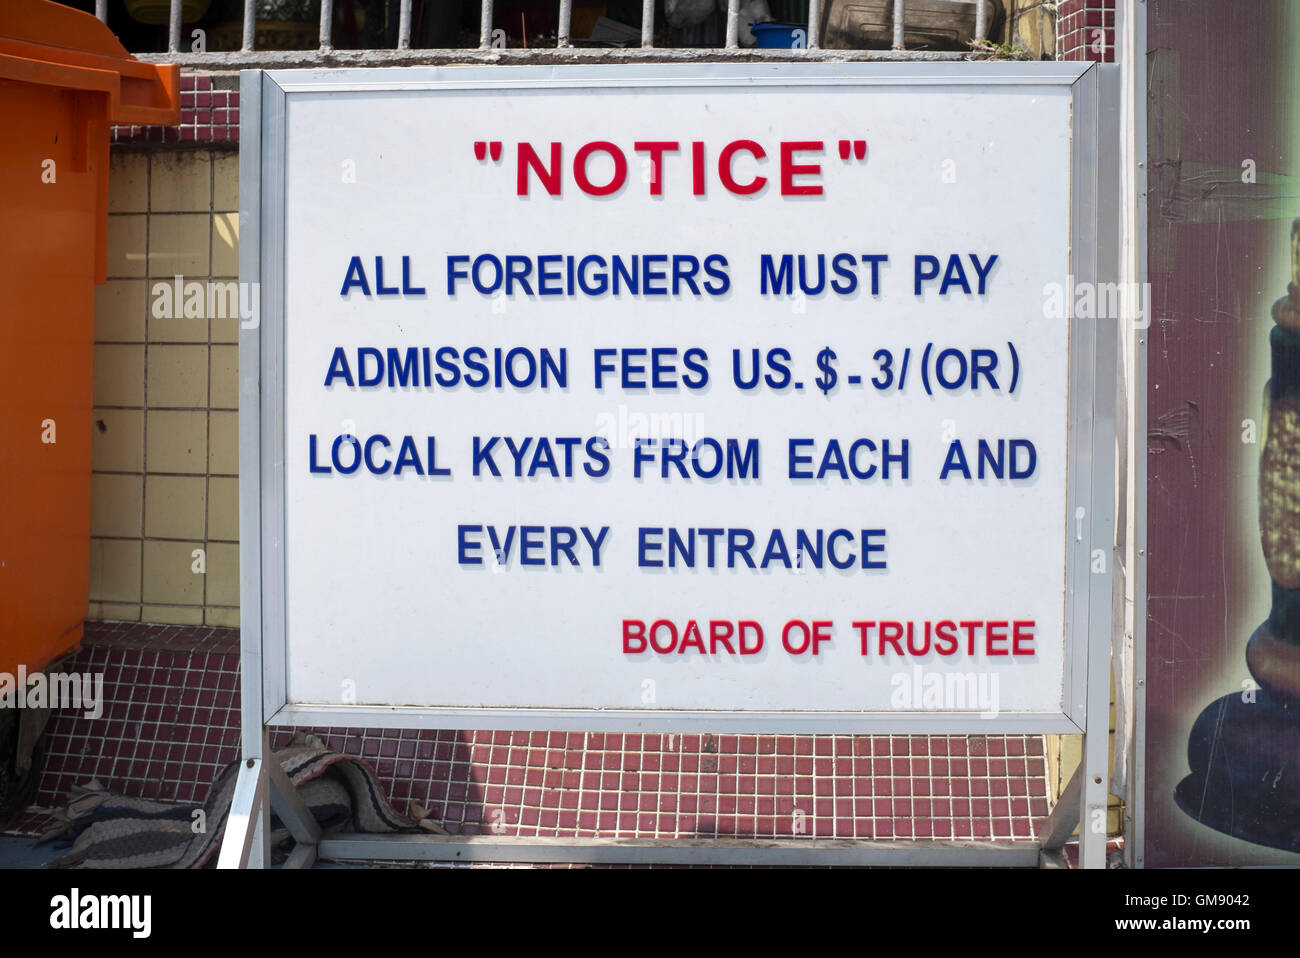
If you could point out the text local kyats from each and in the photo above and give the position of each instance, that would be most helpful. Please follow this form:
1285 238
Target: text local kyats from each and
566 457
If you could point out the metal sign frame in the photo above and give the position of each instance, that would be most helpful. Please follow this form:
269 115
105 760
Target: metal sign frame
1090 471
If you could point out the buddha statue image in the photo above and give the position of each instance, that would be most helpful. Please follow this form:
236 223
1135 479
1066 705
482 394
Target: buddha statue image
1244 749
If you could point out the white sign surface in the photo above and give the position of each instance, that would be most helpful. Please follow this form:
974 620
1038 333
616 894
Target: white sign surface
810 457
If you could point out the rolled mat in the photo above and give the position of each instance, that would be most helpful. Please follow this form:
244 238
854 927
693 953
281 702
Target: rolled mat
107 830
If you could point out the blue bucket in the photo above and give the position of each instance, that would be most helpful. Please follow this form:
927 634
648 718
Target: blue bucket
777 36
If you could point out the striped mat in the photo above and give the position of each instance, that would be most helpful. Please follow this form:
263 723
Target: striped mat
102 829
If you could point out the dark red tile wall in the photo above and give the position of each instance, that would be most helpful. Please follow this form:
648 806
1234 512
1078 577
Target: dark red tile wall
209 114
171 720
1085 30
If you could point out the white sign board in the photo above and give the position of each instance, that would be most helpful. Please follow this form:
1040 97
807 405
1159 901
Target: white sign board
668 396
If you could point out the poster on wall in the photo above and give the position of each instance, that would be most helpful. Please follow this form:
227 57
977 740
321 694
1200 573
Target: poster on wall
1222 783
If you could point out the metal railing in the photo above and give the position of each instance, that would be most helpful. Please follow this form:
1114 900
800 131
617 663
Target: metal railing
563 37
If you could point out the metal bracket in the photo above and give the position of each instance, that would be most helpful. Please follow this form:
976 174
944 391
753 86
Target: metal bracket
1059 826
246 842
1066 814
262 787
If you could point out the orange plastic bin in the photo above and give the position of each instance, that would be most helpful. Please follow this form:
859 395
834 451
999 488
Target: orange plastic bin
64 79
